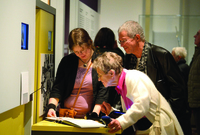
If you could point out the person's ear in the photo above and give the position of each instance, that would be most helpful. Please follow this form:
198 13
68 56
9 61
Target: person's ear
112 73
137 36
178 57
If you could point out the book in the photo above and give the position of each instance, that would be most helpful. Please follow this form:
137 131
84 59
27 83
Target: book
81 123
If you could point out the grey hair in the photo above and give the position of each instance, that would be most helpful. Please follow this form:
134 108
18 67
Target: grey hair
180 51
108 61
132 28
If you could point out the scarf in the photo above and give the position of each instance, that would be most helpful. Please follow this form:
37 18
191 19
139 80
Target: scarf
143 60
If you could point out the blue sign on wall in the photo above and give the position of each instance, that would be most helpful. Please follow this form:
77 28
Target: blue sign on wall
24 36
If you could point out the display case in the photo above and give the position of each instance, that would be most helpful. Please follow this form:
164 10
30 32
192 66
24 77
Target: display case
171 31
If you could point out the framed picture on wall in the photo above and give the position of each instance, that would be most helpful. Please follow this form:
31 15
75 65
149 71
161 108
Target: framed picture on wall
47 79
24 36
49 40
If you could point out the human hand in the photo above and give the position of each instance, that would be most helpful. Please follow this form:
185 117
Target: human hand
114 126
105 108
51 113
92 116
106 119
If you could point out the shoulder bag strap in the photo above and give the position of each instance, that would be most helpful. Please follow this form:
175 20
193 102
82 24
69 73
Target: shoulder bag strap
81 84
157 116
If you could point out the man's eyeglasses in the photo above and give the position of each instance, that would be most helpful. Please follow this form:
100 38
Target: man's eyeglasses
122 41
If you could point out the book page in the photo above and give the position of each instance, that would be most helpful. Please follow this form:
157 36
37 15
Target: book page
81 123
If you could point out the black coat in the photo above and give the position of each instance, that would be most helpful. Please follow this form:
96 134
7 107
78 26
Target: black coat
184 68
168 79
165 74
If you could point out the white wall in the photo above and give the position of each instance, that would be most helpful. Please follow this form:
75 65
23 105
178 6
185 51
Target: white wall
59 5
114 13
14 60
74 10
166 7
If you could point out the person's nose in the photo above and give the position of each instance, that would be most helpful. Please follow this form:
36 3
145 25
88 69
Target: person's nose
122 44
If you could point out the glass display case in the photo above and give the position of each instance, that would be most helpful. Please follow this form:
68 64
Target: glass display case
171 31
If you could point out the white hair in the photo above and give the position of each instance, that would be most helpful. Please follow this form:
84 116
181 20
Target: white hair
132 28
180 51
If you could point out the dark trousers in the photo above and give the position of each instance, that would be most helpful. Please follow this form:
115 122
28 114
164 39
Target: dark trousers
184 120
196 113
128 131
142 124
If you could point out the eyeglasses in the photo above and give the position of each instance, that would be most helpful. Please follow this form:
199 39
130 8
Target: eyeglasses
123 41
84 49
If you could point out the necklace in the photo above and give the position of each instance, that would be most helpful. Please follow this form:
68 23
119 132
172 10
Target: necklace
85 63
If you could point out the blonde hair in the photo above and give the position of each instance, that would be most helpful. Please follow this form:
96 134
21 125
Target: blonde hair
180 51
108 61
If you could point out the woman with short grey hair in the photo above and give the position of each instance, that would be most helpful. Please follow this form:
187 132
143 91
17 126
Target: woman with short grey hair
139 96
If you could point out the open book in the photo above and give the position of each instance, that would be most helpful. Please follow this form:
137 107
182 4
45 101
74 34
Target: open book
81 123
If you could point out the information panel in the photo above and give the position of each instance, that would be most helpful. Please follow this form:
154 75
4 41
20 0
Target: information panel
88 19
